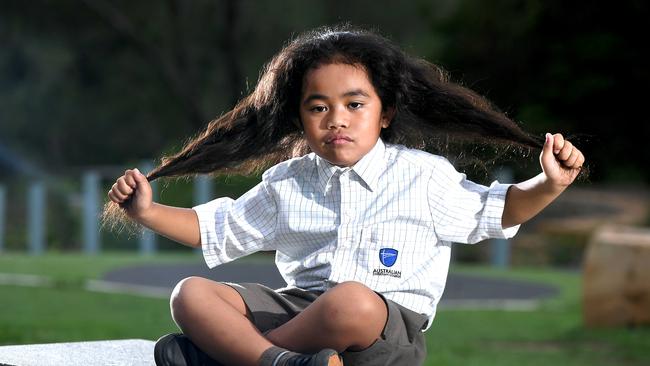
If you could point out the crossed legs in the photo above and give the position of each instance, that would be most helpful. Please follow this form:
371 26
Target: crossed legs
349 316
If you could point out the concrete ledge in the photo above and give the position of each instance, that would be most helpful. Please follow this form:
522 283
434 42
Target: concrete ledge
120 352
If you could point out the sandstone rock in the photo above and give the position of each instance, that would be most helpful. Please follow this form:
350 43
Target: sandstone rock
616 282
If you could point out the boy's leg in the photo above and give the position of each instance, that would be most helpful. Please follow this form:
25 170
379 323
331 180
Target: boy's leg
213 314
349 316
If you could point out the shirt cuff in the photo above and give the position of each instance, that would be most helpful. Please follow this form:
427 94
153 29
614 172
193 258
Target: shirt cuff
494 212
209 214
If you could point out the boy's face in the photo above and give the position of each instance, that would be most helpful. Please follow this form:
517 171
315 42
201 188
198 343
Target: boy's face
341 113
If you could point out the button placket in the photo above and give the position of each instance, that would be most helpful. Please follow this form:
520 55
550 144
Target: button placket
345 222
334 265
347 213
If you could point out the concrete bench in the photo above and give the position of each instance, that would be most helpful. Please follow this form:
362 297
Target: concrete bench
100 353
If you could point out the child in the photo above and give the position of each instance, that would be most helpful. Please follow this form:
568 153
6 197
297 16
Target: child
362 226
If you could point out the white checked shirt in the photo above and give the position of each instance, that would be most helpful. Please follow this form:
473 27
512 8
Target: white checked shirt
329 224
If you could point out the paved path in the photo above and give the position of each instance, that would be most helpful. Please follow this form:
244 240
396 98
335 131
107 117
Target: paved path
461 290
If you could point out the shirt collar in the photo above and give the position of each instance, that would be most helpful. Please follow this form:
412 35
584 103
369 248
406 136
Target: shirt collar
368 168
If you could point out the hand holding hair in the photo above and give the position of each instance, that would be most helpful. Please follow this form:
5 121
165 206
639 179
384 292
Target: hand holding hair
133 193
561 161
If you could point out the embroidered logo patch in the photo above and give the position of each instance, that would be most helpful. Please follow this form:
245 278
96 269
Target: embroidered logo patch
387 256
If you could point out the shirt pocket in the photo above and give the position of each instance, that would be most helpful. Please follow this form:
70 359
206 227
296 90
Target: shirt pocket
389 253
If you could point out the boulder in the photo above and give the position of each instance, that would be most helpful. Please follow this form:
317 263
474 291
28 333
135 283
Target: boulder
616 281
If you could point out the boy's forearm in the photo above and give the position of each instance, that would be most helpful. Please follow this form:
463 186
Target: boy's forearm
526 199
176 223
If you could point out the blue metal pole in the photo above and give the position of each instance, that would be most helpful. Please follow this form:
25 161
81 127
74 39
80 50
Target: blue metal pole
500 248
3 203
148 238
202 189
91 238
36 218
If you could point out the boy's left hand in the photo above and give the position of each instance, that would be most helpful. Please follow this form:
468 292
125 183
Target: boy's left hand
560 160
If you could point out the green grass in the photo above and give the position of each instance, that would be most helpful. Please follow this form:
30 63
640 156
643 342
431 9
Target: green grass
66 312
554 334
44 315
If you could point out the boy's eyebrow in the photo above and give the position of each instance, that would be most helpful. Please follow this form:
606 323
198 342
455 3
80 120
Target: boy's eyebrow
349 93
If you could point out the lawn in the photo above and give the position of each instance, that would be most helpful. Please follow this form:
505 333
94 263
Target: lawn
66 312
553 334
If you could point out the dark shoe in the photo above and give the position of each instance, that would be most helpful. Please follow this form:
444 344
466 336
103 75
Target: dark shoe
326 357
178 350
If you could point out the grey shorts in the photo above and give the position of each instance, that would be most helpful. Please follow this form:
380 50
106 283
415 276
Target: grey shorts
401 343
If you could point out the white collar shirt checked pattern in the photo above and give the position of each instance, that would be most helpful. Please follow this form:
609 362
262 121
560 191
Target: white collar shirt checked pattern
387 222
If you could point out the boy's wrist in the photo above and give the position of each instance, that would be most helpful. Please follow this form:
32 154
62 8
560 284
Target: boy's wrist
145 216
551 187
542 187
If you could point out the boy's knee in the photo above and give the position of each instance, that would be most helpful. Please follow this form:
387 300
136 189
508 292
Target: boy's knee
355 305
193 293
183 293
356 294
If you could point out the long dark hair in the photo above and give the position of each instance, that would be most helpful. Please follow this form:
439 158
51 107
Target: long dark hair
264 127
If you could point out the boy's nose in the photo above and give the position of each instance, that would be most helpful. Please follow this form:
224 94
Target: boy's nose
337 120
338 123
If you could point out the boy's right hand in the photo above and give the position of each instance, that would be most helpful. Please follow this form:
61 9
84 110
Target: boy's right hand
132 192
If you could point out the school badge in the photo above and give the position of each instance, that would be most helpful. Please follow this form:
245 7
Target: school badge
387 257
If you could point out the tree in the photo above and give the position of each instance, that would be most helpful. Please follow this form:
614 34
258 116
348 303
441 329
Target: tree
560 66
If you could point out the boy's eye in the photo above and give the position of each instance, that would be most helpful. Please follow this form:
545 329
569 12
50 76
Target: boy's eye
355 105
318 108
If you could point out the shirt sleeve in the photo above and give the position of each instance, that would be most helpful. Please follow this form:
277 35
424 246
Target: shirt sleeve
231 229
464 211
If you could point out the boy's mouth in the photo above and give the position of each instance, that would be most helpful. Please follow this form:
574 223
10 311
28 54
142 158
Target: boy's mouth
338 139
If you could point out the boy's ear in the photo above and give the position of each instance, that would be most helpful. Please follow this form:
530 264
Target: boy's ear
387 117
